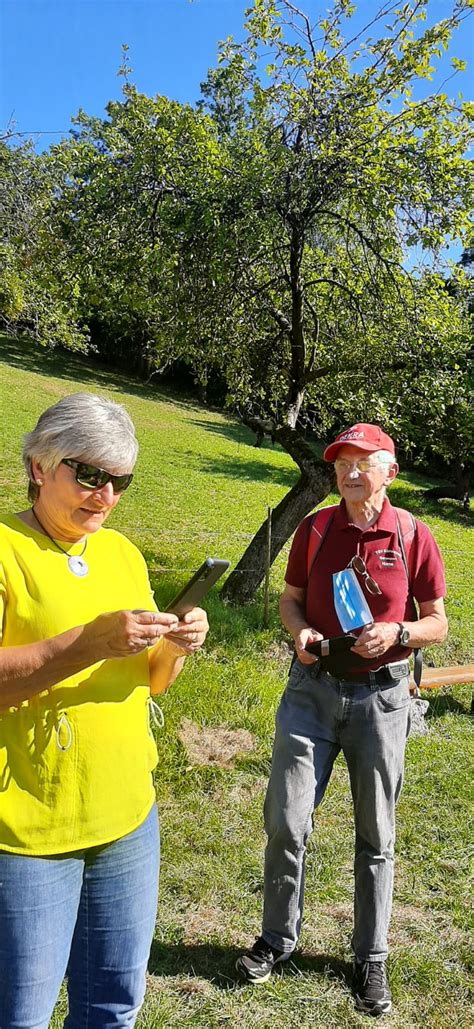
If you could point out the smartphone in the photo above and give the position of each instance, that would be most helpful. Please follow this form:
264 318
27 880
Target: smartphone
336 645
197 587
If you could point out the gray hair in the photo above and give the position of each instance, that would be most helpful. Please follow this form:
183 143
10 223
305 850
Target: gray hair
85 427
384 457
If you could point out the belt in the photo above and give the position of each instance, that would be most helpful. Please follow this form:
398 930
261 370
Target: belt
386 673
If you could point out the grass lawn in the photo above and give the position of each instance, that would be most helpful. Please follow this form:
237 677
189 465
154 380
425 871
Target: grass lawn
202 489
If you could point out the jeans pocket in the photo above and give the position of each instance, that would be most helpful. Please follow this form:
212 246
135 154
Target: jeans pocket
297 676
394 696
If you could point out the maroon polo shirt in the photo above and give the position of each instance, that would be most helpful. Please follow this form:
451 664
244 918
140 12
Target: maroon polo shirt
380 549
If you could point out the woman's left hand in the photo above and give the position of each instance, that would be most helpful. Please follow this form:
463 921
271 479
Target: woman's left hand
191 632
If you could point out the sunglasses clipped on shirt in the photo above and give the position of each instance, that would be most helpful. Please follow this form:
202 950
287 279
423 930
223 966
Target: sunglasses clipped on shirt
358 564
90 477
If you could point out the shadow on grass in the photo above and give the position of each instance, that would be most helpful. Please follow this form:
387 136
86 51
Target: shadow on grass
238 468
74 367
217 963
236 431
421 506
240 433
442 704
254 471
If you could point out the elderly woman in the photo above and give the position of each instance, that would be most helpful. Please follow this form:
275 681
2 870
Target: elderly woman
83 646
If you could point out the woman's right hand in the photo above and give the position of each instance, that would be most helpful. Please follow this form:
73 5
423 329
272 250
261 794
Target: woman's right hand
122 633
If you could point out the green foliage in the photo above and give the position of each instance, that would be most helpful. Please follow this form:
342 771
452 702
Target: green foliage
130 185
334 186
33 292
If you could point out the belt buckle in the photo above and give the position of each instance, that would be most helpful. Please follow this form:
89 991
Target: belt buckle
397 669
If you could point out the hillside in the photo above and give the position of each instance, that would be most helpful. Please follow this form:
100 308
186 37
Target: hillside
201 489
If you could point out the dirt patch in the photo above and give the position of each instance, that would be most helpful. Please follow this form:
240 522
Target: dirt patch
244 794
281 652
187 986
214 745
410 914
340 912
204 921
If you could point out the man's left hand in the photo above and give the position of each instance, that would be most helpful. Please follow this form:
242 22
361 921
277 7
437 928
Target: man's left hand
376 639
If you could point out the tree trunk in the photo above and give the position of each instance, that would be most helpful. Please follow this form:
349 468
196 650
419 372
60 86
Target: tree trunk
463 479
295 401
310 490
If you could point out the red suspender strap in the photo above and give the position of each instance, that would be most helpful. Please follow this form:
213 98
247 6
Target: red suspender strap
319 529
406 527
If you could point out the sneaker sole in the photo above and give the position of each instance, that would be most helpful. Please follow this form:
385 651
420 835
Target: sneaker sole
254 980
376 1010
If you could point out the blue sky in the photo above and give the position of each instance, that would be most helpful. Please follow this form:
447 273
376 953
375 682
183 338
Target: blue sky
59 55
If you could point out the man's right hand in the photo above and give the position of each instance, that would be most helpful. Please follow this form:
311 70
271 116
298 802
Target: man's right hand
301 639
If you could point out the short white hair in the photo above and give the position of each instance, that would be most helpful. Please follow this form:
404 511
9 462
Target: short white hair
85 427
384 457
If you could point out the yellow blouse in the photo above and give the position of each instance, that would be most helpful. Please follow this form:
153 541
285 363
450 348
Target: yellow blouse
75 760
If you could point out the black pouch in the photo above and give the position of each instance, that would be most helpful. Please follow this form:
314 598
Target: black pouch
332 647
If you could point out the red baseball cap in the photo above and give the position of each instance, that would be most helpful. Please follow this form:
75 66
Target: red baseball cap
364 436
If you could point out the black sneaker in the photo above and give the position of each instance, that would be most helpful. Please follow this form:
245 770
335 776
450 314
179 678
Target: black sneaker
257 964
370 988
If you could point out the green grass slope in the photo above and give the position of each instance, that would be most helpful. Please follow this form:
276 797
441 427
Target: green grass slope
202 489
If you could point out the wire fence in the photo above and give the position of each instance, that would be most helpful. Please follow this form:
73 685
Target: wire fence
222 534
264 575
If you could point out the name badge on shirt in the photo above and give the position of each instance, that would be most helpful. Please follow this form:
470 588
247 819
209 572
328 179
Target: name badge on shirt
351 606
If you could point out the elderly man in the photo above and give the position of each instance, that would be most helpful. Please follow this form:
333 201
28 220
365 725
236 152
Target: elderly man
357 701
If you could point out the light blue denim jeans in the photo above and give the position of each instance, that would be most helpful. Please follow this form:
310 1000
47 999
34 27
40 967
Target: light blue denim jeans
90 914
318 716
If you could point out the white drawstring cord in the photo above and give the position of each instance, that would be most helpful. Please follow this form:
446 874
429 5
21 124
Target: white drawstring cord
63 724
155 714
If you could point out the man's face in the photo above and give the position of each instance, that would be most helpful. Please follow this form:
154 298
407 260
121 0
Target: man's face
355 485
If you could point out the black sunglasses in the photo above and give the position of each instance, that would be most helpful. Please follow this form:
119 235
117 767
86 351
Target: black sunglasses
90 477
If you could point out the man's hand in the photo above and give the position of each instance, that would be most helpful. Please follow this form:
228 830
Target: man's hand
303 637
376 639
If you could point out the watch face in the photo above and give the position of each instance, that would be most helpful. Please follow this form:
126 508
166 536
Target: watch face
404 637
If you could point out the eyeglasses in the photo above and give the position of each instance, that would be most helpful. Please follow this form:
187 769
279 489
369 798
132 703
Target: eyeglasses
364 465
90 477
359 566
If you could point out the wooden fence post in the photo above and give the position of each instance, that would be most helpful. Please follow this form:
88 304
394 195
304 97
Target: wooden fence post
266 588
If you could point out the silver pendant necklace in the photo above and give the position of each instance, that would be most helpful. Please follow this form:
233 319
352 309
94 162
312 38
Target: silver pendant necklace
76 563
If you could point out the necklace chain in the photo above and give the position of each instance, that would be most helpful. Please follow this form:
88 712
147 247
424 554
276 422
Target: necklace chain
53 540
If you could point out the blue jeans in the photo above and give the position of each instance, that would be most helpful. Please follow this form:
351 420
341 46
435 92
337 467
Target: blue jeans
90 914
318 716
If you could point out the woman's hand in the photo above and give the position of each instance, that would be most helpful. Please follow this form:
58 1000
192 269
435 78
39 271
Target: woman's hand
122 633
191 631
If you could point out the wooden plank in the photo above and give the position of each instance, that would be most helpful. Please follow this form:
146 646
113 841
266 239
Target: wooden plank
433 678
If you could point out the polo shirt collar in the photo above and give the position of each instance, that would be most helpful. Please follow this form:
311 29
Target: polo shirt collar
386 522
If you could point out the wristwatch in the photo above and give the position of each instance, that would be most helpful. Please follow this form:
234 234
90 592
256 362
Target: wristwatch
404 635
